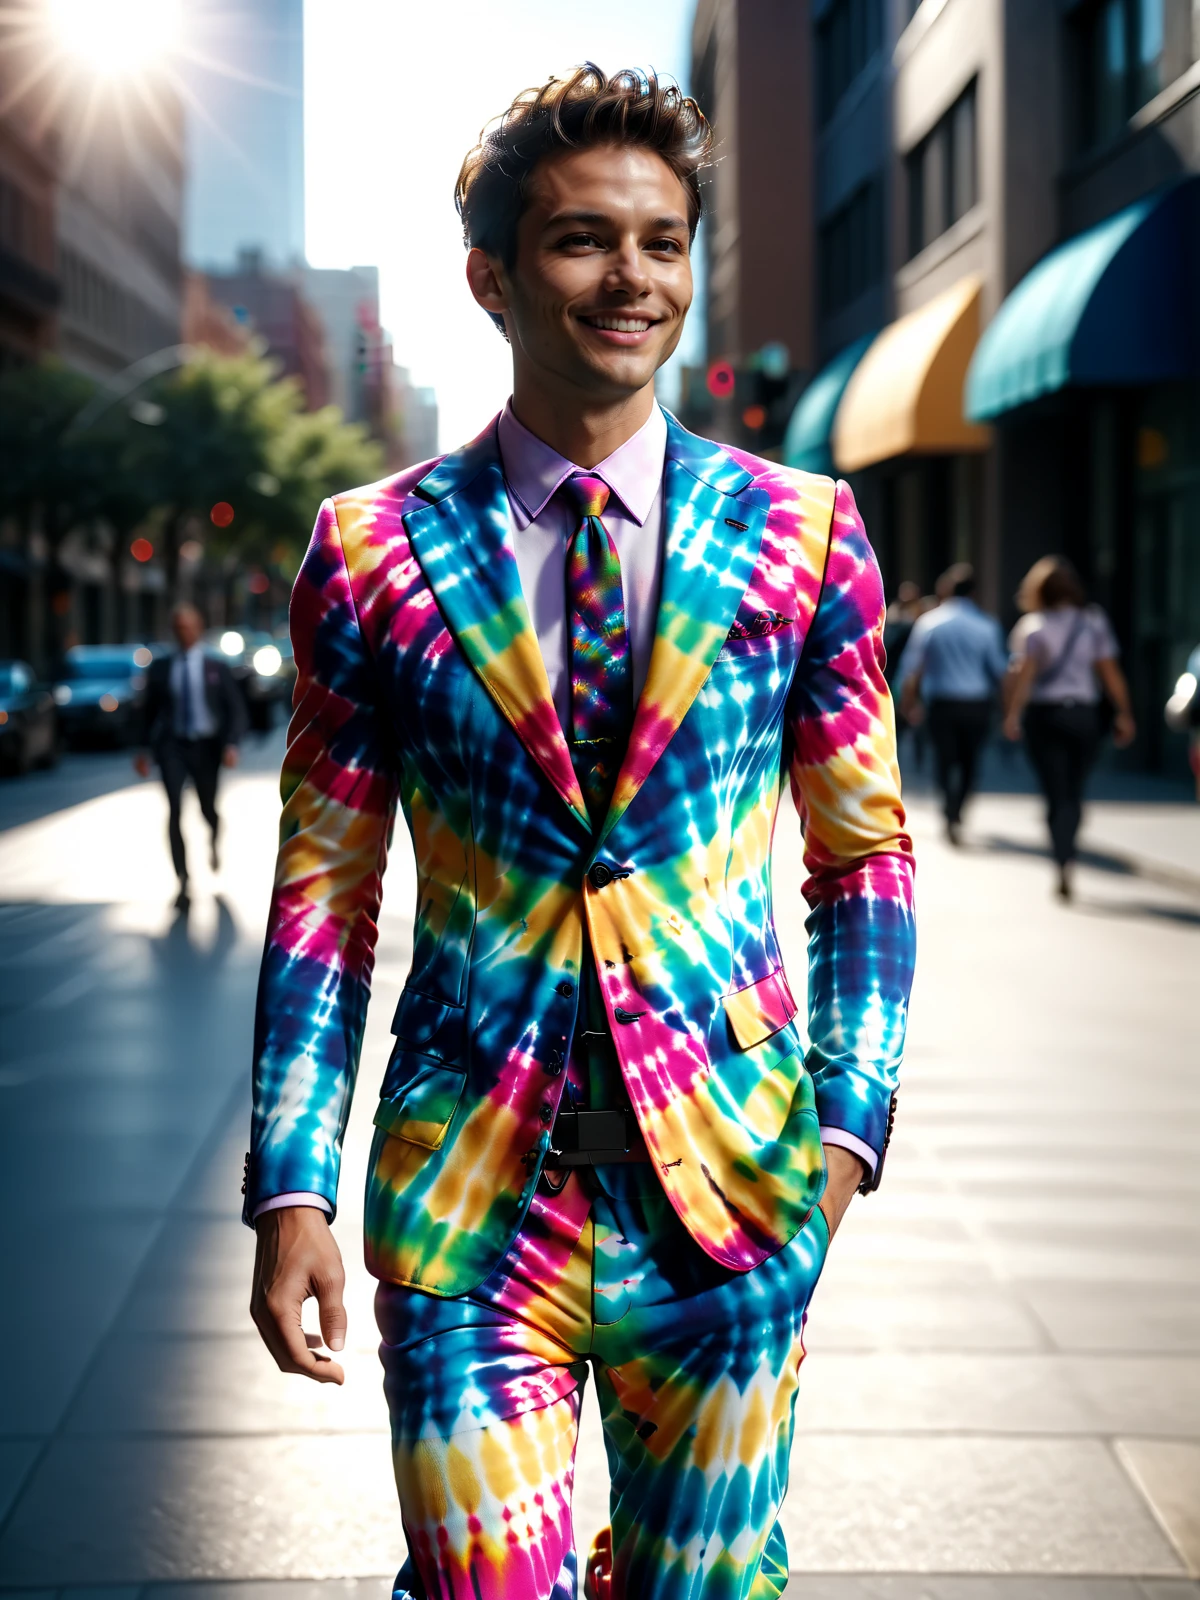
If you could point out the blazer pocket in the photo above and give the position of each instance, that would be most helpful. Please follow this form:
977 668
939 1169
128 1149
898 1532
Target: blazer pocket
760 1009
432 1026
420 1107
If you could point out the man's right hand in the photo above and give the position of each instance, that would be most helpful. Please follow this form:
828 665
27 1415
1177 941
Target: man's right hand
141 764
297 1260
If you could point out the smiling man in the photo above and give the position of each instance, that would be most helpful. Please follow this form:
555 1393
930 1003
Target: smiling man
585 653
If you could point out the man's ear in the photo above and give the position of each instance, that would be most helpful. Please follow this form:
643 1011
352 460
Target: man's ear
484 280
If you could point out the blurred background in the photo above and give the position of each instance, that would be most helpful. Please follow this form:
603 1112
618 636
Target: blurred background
952 254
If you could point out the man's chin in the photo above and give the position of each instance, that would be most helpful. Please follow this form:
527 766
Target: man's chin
618 376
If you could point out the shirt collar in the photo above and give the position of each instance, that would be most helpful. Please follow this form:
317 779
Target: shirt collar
534 470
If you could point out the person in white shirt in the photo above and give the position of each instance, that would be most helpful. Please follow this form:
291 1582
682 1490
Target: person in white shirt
194 717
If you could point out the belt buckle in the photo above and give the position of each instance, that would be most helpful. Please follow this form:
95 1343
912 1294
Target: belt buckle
588 1138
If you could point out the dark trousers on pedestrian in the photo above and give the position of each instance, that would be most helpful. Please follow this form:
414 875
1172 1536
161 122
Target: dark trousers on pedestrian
1062 739
199 760
958 729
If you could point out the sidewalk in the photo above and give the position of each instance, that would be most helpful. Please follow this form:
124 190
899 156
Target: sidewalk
1002 1395
1133 823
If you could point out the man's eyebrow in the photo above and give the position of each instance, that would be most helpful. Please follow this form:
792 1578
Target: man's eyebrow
593 218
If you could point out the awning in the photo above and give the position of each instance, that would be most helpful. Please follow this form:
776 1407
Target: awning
906 394
1114 305
807 442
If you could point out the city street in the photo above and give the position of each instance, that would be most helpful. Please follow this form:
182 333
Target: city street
1002 1394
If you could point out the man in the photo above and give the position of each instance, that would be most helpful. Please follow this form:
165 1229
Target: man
951 670
194 717
572 652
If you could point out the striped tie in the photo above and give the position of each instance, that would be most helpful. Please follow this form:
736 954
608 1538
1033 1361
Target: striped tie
601 668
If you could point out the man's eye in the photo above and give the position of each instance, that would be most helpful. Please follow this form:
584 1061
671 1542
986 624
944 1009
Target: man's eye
579 241
668 246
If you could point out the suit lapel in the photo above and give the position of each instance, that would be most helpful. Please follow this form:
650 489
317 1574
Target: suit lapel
712 528
461 538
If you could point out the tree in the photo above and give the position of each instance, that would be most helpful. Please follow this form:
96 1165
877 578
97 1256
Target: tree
234 432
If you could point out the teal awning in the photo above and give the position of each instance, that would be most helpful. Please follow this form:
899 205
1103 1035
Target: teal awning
1115 305
807 442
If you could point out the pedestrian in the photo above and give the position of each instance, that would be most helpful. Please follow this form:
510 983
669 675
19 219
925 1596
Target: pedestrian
580 650
951 671
901 616
193 719
1064 658
1183 712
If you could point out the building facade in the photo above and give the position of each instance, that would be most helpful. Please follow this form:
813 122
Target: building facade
29 160
751 75
119 215
274 306
1005 295
245 132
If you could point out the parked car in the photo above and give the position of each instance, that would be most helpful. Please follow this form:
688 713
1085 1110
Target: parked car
100 692
263 669
28 720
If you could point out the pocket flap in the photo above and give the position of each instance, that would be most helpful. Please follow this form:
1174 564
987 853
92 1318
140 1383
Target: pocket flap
760 1009
433 1026
420 1110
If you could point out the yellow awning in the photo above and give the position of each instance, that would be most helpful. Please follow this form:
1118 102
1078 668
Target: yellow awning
906 394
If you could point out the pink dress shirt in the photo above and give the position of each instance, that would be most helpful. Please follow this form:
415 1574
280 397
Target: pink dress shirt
540 527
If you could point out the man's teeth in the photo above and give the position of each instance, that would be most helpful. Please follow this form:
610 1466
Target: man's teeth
620 324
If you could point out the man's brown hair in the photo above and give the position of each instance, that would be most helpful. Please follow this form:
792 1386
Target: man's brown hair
579 112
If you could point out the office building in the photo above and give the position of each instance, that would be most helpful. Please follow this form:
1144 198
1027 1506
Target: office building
751 75
1006 296
244 77
272 305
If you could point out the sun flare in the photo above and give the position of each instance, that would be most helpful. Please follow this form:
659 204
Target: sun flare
119 37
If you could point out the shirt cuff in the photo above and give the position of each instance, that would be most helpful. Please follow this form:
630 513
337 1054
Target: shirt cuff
838 1136
280 1202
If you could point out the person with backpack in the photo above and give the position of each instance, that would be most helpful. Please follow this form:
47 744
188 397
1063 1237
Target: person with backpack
1064 659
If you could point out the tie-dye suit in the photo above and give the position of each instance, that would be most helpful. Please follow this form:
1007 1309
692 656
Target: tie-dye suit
420 679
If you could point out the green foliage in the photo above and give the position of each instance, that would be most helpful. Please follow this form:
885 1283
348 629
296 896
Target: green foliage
218 429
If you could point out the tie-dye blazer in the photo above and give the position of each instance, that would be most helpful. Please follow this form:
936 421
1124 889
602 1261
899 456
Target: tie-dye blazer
420 680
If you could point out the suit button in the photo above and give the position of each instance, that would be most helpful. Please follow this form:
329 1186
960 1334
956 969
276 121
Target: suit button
546 1113
565 989
599 875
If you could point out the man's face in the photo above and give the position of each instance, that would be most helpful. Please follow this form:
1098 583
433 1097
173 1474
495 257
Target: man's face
188 627
602 280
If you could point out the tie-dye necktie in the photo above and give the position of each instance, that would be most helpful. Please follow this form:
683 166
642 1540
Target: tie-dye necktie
601 669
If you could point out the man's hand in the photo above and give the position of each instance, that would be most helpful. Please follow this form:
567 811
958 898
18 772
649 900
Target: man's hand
845 1174
297 1260
229 756
141 764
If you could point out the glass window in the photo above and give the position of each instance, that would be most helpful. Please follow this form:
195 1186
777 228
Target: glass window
1121 45
849 35
964 189
851 248
942 173
1148 72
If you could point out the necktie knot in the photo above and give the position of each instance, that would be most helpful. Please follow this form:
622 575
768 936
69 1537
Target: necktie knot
587 496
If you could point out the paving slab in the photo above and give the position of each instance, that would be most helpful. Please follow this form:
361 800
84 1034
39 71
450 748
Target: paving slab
227 1384
147 1510
915 1503
1168 1474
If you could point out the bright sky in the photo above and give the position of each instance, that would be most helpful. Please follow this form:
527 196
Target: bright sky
396 92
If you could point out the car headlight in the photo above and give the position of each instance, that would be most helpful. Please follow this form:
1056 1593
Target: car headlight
232 643
267 661
62 694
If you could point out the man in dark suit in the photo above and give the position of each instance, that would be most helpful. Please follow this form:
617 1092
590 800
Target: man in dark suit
194 717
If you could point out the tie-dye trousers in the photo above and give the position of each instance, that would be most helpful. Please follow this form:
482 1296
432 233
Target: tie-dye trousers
696 1370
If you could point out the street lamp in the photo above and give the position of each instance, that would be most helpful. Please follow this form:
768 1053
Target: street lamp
127 382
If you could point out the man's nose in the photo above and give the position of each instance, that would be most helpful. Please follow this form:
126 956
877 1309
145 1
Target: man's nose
628 272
